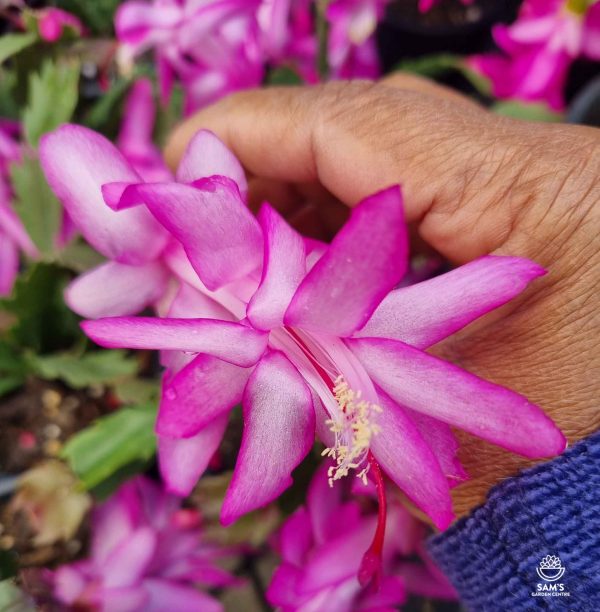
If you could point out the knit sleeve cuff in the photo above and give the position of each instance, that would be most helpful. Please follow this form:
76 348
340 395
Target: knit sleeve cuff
494 556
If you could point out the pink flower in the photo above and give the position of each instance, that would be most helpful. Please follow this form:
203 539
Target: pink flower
319 566
53 21
307 336
426 5
146 554
539 49
215 47
351 45
13 236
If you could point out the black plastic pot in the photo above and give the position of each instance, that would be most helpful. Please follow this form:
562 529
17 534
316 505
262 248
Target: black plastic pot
450 27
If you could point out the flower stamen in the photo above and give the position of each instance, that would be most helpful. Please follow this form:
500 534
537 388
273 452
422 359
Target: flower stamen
353 429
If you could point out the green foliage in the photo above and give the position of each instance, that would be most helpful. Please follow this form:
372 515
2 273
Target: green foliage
78 256
284 75
137 390
11 44
80 371
97 15
13 369
43 322
112 443
13 599
52 98
432 66
526 111
105 110
8 105
35 204
8 565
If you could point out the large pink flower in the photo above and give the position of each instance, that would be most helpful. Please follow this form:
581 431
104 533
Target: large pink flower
540 47
307 336
319 566
146 554
13 236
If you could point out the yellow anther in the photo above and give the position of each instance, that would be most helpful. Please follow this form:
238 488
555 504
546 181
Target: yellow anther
353 431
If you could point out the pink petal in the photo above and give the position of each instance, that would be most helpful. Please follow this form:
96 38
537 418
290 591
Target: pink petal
207 156
219 234
202 391
122 599
283 589
116 289
443 443
437 388
283 268
183 460
365 261
139 23
339 559
296 537
192 304
68 583
77 162
322 502
12 227
137 125
230 341
420 581
389 596
279 430
428 312
130 560
9 264
407 459
166 596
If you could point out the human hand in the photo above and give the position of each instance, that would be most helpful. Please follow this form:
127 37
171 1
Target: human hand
473 183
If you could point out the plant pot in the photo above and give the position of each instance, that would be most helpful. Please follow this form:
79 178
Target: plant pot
449 27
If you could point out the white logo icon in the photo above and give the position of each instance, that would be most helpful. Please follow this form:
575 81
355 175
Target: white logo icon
550 568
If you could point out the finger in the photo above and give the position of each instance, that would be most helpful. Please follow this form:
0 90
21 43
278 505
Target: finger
356 138
412 82
469 179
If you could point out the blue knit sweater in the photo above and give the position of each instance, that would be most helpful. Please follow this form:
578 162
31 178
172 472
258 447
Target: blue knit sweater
503 556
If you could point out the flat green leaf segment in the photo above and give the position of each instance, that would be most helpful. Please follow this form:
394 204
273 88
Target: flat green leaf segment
52 98
13 369
11 44
527 111
36 205
80 371
111 443
42 321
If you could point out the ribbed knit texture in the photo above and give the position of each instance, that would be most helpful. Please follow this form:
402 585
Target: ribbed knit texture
491 556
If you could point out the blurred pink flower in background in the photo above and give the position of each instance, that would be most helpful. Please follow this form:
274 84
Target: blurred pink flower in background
318 546
52 22
147 553
218 46
13 236
539 48
351 44
135 135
